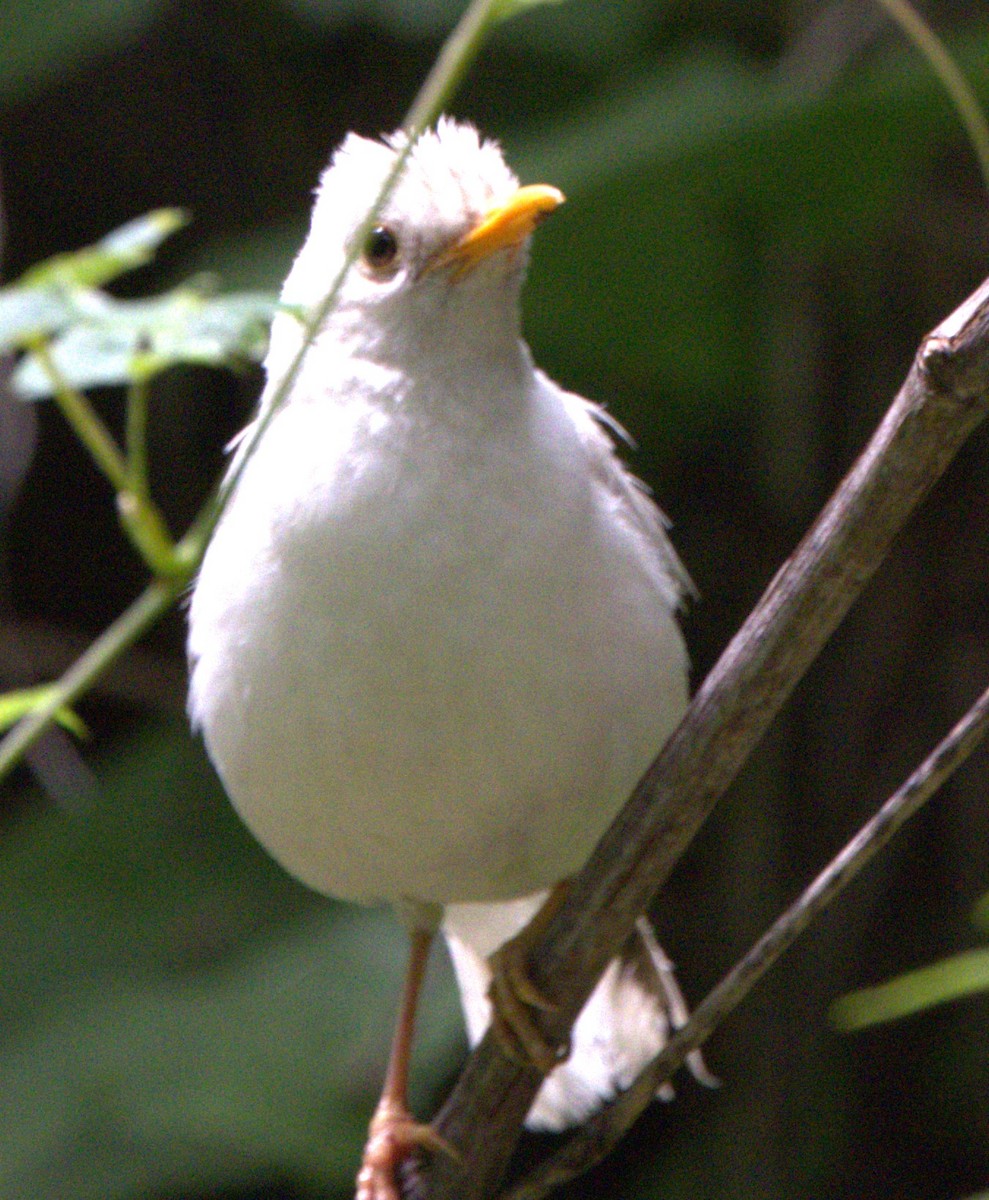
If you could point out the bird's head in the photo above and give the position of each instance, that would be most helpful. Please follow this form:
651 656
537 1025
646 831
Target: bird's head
446 257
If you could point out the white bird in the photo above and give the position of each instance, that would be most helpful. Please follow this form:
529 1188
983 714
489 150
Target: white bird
433 642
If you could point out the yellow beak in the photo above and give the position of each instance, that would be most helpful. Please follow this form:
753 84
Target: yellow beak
502 228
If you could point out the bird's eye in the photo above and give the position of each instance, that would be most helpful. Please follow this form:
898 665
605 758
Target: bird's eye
380 253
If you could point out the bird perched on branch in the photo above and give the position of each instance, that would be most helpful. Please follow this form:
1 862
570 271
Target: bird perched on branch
432 642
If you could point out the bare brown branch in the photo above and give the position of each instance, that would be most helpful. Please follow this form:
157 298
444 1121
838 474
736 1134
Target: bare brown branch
599 1136
944 398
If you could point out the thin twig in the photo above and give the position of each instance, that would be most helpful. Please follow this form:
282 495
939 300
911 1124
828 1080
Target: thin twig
82 417
152 604
136 440
944 398
459 51
948 72
599 1136
139 516
31 649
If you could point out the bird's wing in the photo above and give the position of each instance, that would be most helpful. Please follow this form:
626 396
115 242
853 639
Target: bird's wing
598 432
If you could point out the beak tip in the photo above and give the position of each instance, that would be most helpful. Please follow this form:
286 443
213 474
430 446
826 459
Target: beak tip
505 226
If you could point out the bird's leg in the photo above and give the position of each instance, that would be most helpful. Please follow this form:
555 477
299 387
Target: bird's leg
513 995
394 1134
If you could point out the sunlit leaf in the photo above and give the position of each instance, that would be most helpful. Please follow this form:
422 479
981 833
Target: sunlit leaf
27 312
124 249
182 326
63 290
954 978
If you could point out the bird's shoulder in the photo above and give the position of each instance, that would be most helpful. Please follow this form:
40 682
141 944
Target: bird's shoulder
598 433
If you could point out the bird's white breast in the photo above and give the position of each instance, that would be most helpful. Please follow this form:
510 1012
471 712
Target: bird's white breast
429 661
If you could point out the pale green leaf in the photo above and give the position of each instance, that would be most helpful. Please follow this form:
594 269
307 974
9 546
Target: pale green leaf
125 337
62 290
952 979
26 313
123 249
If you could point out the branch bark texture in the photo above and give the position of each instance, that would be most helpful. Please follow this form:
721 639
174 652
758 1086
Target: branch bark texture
944 398
593 1140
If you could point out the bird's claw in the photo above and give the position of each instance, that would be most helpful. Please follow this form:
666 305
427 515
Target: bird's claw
393 1137
514 996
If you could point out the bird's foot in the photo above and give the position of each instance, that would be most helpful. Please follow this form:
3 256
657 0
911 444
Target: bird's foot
394 1136
514 996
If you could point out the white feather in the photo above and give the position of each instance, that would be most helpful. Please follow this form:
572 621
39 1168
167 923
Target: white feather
432 641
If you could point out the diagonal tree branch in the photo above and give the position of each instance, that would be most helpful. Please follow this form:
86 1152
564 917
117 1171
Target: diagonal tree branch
944 398
603 1131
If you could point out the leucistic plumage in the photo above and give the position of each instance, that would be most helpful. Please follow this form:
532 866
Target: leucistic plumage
433 641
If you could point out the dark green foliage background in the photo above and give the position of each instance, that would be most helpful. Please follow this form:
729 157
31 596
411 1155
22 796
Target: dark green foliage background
768 205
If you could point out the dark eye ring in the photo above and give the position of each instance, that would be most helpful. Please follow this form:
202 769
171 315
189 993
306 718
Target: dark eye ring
380 251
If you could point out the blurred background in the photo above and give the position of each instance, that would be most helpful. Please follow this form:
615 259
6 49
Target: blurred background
768 205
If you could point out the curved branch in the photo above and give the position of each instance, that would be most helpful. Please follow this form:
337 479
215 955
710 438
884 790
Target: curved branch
592 1141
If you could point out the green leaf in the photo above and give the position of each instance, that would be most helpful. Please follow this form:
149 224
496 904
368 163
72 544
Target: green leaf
26 313
120 339
124 249
63 290
15 705
954 978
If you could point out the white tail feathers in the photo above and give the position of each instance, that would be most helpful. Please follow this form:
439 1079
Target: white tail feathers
624 1024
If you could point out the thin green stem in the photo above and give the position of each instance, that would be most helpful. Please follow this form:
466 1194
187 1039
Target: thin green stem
140 518
452 64
79 413
144 525
952 80
149 607
192 545
136 440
